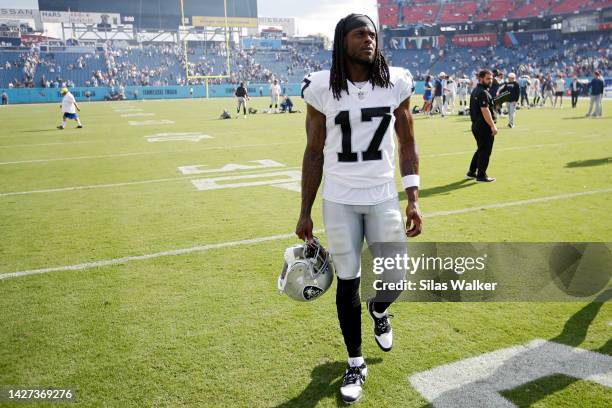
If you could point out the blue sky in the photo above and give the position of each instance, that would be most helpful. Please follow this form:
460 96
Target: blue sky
317 16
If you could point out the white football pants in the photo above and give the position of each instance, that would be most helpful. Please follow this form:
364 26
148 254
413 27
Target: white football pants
347 225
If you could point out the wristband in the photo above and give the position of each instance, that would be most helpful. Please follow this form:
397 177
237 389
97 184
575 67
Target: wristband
411 180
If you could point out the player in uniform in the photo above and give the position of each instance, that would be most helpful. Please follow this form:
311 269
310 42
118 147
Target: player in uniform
69 108
536 87
462 91
352 112
275 92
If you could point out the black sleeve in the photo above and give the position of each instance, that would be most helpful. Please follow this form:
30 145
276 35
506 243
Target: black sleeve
482 100
516 93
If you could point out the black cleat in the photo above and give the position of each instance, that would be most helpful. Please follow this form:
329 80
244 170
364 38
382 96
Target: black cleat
485 179
351 389
383 334
80 127
470 175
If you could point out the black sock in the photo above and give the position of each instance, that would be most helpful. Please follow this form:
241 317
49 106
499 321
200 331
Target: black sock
348 304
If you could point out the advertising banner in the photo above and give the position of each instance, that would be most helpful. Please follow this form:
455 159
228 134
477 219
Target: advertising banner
77 17
475 40
220 21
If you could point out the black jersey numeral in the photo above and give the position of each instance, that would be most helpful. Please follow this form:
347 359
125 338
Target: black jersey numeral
372 153
306 83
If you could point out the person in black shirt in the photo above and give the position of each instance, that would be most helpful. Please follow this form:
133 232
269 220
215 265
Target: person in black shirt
438 102
482 113
510 92
243 96
575 88
495 83
596 88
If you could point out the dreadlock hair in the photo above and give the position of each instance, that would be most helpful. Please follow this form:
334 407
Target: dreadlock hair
379 71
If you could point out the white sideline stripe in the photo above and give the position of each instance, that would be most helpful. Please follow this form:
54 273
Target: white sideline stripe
254 145
117 261
506 149
127 183
145 153
54 143
201 248
519 202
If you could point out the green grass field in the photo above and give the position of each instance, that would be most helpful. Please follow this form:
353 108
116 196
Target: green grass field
205 326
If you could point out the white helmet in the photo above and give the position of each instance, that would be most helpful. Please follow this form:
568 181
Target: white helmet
308 271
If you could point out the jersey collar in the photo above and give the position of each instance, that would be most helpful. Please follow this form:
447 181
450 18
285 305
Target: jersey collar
359 93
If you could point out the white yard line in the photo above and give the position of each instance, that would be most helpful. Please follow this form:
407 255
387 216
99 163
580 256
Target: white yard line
512 148
106 156
470 382
53 143
127 183
207 247
519 202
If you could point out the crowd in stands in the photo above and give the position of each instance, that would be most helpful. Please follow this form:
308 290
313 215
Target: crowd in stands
393 13
164 64
567 57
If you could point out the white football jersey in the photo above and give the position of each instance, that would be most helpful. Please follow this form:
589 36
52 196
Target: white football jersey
359 147
68 103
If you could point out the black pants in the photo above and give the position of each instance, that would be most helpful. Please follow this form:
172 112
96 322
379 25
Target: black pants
484 140
348 304
574 99
524 97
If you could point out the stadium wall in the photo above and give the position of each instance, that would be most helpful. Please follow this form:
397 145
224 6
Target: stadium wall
52 95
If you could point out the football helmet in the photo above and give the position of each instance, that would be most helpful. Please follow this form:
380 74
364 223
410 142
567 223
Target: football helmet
308 271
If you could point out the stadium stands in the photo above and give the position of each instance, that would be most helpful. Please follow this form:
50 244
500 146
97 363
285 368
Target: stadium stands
164 64
414 12
457 12
567 6
597 4
154 65
420 13
494 10
532 8
115 64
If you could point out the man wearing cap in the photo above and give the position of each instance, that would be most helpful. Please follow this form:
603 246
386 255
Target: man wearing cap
353 111
69 109
513 89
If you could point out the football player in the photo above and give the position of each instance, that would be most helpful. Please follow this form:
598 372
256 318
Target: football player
275 92
352 112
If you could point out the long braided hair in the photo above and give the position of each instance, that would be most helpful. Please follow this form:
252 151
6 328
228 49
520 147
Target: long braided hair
379 70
